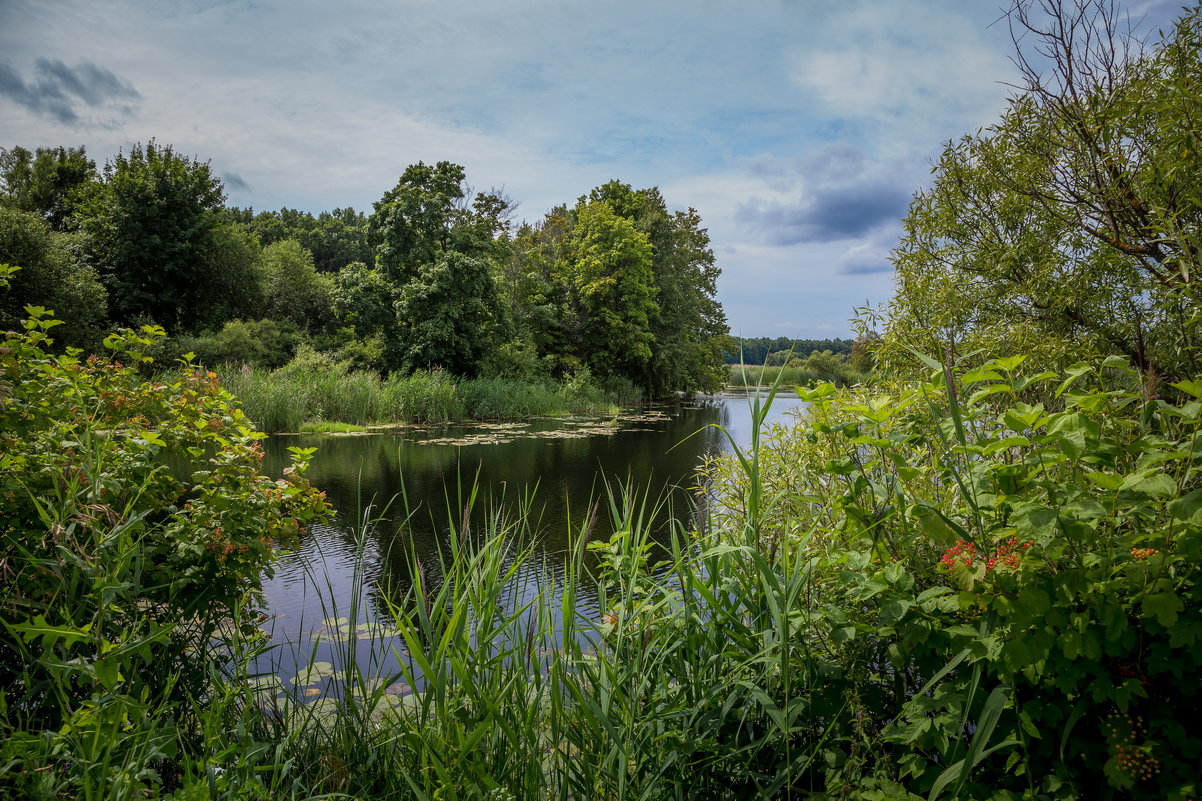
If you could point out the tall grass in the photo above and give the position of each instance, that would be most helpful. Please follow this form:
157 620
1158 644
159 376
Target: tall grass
283 399
683 683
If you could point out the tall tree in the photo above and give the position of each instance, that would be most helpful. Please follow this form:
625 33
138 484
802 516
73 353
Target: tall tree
431 294
1073 224
611 286
161 244
44 182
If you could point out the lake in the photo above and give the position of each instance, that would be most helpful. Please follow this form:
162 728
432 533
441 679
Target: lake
413 484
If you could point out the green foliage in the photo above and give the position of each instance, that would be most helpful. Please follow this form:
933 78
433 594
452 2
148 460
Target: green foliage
335 238
430 297
314 387
819 366
261 343
611 292
293 290
620 286
1007 592
44 182
156 236
1069 227
764 350
446 316
118 571
53 276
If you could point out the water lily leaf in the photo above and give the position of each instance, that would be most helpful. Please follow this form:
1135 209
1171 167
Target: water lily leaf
314 673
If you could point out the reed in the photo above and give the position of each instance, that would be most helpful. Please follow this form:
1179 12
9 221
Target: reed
288 398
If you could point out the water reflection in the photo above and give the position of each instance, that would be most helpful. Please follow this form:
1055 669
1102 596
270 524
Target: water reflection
418 494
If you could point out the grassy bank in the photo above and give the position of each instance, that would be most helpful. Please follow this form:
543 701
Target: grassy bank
317 389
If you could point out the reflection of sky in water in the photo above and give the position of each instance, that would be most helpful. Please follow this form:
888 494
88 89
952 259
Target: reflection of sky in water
413 491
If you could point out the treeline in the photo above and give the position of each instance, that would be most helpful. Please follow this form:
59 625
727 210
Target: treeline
776 352
614 289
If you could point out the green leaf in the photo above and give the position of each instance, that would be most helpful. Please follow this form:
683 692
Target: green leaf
51 634
1164 606
1107 481
1189 387
1188 509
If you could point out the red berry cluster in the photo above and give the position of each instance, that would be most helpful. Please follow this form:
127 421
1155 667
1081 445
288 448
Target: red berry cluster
1143 553
1134 760
962 551
1008 554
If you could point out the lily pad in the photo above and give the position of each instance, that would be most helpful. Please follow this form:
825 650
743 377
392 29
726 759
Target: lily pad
314 673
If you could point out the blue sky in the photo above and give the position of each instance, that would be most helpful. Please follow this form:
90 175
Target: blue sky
798 128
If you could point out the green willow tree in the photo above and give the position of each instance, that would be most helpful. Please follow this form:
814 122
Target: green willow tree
1074 224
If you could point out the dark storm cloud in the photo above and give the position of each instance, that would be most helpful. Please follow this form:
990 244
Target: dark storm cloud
57 90
235 181
842 196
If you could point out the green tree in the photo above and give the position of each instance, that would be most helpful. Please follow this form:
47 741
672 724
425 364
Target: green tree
44 182
158 237
446 316
52 276
431 296
611 290
293 288
1074 224
426 215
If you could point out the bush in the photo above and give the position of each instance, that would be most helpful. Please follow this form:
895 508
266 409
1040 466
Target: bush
117 571
260 343
1004 594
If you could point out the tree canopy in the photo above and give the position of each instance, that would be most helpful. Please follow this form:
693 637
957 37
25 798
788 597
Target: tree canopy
1071 226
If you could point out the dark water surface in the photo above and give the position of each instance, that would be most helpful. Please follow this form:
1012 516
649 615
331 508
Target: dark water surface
414 485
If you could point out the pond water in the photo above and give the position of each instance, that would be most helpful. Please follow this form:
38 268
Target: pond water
413 484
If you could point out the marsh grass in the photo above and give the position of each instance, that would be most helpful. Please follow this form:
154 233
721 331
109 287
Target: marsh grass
682 680
288 398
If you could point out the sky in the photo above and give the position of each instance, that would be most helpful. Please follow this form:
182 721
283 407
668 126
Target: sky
799 129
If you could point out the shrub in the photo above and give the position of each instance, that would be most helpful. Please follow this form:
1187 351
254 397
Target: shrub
1004 595
118 571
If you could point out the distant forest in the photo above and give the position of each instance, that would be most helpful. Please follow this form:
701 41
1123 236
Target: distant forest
776 352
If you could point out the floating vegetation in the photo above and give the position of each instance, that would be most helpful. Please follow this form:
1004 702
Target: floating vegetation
318 671
566 428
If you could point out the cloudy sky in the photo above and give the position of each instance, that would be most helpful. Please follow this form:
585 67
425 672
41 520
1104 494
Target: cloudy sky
797 128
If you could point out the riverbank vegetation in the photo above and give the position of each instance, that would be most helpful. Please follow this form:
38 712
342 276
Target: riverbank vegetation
615 287
313 389
818 367
978 577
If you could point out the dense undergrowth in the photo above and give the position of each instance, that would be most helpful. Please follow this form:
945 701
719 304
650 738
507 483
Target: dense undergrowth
126 592
313 387
977 586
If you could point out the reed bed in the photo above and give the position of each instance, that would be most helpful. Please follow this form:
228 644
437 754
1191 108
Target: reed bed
284 399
